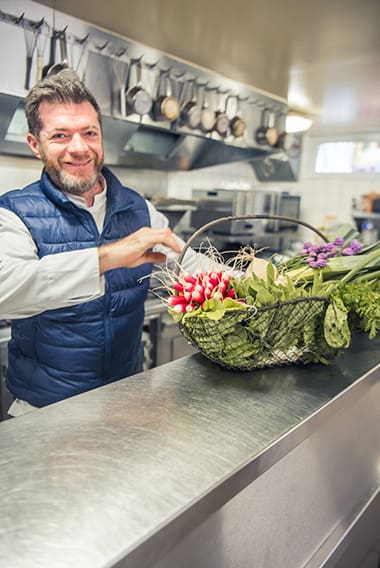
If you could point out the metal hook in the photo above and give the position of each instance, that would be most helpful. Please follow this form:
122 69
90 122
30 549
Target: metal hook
151 65
102 47
19 19
40 23
180 75
262 105
121 52
208 88
36 25
83 40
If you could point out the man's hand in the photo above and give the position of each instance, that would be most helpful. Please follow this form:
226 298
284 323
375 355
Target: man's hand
132 251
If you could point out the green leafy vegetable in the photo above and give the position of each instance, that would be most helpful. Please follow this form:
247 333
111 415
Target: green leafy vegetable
293 313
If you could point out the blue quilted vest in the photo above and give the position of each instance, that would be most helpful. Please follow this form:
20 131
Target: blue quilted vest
63 352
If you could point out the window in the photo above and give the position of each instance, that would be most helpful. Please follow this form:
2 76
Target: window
348 157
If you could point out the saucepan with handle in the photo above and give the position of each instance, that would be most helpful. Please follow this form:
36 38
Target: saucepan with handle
191 109
267 134
207 114
222 122
166 105
237 123
64 63
139 101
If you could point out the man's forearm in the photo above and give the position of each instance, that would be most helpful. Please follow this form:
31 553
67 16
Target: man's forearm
136 249
55 281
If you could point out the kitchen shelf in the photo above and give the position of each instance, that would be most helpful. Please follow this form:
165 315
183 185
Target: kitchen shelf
364 215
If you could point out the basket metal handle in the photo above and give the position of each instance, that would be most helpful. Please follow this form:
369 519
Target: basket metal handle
244 217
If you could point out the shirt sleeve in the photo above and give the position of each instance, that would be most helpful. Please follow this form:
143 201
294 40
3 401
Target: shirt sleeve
30 285
192 261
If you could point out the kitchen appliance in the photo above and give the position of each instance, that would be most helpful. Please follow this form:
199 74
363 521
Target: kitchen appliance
215 203
371 202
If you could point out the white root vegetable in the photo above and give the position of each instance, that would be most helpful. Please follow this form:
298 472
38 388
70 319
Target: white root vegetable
258 266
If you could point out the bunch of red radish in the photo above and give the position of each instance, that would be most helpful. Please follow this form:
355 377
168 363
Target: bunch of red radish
192 291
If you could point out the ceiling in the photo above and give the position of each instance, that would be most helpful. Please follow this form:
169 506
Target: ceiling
323 57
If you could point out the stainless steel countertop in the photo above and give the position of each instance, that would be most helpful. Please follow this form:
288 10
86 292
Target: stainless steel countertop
91 480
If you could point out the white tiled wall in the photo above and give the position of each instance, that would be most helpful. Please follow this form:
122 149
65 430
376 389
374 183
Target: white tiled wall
17 172
325 197
239 175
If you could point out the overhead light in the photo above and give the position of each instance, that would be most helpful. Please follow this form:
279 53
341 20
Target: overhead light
297 122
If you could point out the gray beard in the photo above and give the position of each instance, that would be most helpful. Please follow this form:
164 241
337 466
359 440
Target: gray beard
67 182
71 184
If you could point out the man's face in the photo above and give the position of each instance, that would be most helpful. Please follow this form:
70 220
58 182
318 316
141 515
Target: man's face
69 145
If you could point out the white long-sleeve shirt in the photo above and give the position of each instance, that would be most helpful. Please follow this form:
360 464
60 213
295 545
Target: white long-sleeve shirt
30 285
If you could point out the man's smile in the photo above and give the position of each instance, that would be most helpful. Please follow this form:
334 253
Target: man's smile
79 164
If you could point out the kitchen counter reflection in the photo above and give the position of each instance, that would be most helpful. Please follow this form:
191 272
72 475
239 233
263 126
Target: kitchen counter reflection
122 473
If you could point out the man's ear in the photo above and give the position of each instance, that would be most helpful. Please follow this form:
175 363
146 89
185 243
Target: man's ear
33 144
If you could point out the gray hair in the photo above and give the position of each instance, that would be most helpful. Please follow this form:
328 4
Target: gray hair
61 88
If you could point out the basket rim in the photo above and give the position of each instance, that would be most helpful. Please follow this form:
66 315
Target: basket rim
250 307
256 361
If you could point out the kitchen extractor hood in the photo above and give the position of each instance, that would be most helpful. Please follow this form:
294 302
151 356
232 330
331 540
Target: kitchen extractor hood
143 146
131 144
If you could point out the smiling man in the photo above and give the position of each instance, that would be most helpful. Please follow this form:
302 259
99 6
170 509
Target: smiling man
76 252
73 156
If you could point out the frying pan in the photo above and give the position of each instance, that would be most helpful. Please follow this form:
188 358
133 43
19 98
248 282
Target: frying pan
267 134
138 99
237 123
222 122
166 106
207 114
64 63
191 110
283 137
53 45
52 68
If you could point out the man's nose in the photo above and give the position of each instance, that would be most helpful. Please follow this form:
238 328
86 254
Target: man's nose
77 143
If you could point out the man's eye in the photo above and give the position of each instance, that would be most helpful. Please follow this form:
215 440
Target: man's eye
91 133
58 136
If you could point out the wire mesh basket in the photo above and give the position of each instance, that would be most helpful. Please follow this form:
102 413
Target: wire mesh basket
283 333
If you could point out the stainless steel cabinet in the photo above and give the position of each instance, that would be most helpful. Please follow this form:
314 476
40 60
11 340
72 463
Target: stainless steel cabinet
171 344
5 396
162 339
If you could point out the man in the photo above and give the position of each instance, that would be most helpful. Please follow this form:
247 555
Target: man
76 252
